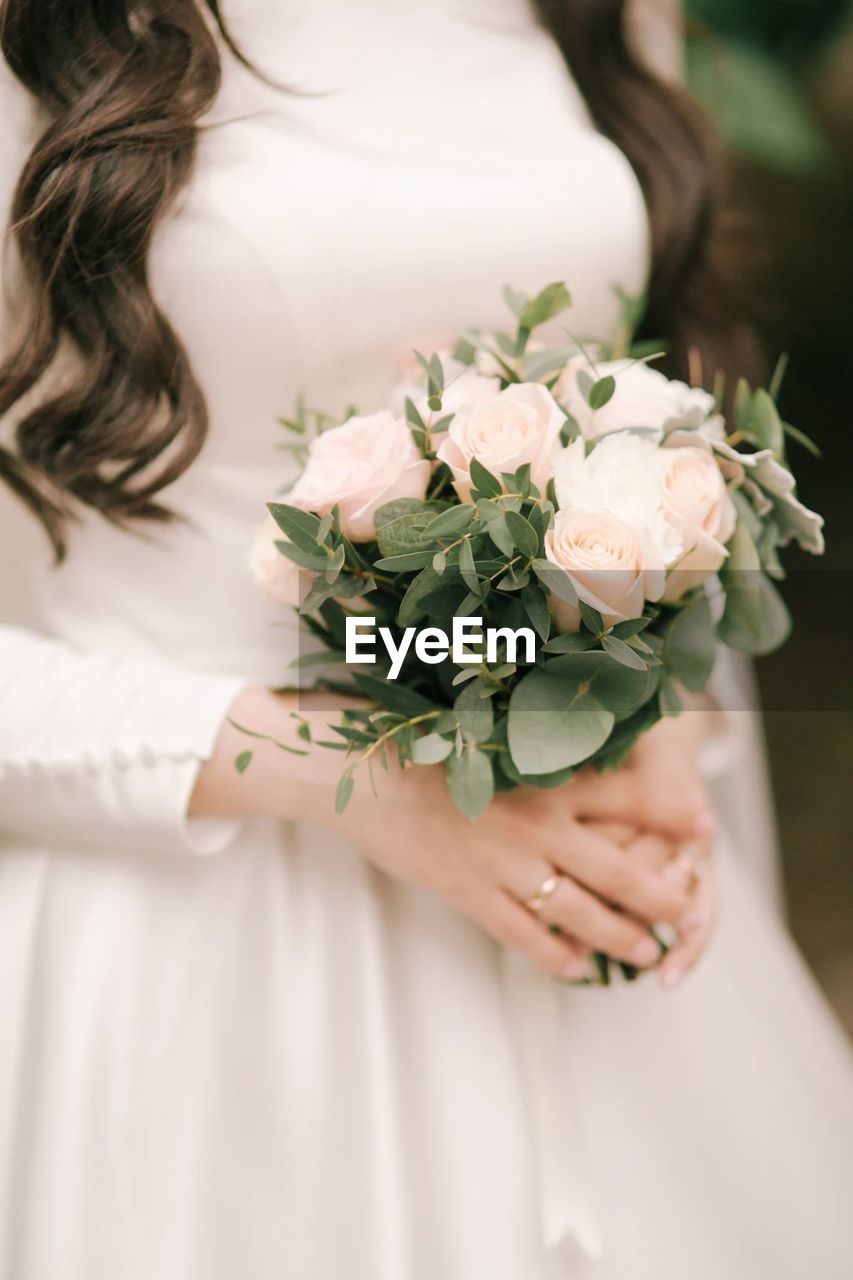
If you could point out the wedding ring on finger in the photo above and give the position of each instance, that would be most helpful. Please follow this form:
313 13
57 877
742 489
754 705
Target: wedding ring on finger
546 890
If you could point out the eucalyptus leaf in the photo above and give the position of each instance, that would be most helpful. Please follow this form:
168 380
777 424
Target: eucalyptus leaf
301 527
431 749
552 301
523 534
555 722
689 645
474 715
471 782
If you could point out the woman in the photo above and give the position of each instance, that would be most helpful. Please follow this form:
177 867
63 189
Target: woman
242 1037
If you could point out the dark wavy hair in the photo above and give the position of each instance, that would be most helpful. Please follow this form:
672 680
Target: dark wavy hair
124 84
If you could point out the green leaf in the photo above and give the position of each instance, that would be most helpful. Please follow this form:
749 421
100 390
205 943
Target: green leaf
344 791
555 722
431 749
500 535
535 605
630 627
406 562
592 619
522 533
601 392
315 560
451 523
552 301
301 527
571 642
467 568
622 652
334 564
427 582
689 644
556 581
406 532
243 761
484 482
514 299
474 715
767 424
618 688
669 699
397 697
471 782
755 620
405 507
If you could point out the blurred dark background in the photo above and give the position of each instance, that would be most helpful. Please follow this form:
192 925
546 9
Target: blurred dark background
777 76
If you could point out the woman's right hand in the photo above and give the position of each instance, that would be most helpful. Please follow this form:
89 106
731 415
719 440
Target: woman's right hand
606 900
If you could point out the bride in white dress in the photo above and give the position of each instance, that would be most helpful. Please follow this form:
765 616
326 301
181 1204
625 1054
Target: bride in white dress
231 1045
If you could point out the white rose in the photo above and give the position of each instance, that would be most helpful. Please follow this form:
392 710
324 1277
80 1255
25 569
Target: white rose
643 398
517 426
276 575
358 467
622 475
696 503
606 562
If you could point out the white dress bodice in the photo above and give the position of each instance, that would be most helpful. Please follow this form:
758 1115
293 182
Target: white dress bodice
428 154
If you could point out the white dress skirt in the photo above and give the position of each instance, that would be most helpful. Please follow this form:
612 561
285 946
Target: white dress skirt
237 1051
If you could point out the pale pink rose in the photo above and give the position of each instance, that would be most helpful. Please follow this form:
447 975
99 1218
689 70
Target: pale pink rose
607 562
517 426
696 503
358 467
276 575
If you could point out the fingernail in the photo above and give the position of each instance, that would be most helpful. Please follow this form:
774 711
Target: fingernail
705 824
575 970
671 977
645 953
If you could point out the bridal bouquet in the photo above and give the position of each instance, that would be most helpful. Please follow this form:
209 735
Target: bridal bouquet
531 552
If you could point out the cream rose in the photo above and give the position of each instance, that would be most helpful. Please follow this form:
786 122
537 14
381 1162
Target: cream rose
517 426
696 503
643 398
606 561
358 467
621 474
276 575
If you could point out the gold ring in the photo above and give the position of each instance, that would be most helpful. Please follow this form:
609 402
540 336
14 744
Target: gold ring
546 890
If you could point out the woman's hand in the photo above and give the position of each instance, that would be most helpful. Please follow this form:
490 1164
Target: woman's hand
657 810
606 899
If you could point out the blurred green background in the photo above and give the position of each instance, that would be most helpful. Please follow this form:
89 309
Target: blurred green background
777 76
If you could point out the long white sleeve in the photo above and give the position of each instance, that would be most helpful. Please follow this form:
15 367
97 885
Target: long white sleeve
104 750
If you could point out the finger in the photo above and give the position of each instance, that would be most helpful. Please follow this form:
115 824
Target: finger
512 924
612 875
653 852
621 833
696 931
587 919
630 796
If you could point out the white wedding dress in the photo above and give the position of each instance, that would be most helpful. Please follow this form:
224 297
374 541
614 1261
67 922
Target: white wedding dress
237 1052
